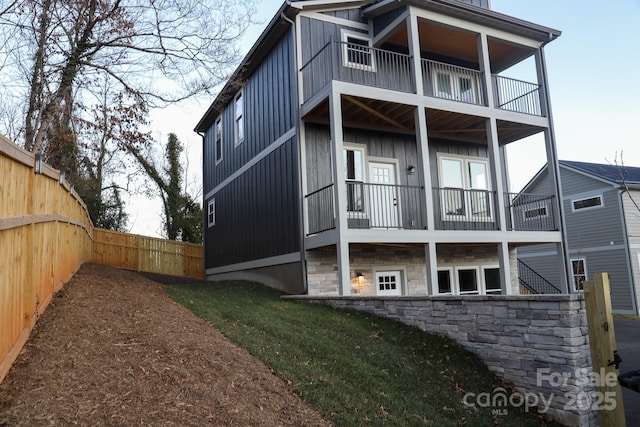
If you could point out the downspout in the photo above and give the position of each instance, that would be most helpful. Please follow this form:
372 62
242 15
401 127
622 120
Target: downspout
554 151
303 251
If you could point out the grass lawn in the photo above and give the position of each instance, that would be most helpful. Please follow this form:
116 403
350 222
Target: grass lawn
357 369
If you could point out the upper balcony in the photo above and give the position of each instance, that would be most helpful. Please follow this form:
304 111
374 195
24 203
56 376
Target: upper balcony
369 66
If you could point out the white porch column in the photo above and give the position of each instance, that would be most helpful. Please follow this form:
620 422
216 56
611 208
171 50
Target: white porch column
430 256
414 50
340 191
505 268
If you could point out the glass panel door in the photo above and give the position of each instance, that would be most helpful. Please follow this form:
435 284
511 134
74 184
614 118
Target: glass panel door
453 183
479 196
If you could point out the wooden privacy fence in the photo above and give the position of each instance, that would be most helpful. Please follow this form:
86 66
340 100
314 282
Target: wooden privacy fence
45 236
147 254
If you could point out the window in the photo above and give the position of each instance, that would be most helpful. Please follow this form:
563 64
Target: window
491 276
465 194
354 175
467 280
357 52
591 202
444 282
211 213
455 83
218 136
579 273
388 283
535 213
239 119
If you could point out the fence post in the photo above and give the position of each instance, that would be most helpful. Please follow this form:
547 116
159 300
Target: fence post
607 399
139 252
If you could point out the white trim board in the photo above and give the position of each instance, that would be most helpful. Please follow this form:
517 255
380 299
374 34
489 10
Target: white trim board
259 263
261 155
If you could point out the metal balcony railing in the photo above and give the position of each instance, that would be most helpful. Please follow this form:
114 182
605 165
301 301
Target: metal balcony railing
516 95
530 212
448 81
385 206
533 282
459 209
320 210
355 63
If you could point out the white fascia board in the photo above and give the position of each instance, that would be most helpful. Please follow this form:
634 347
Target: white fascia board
327 4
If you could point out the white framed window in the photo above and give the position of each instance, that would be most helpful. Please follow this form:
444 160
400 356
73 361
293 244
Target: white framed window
579 266
354 175
465 188
467 280
457 83
357 51
587 203
389 283
445 281
211 213
218 139
238 108
491 279
534 213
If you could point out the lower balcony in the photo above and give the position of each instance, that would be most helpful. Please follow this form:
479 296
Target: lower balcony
403 207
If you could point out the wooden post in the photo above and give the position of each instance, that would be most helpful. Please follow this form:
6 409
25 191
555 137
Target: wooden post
602 340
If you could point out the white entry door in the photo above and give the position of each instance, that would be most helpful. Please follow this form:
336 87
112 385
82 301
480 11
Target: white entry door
383 195
388 283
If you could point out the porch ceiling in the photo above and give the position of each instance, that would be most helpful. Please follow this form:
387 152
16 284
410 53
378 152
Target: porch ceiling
373 114
449 42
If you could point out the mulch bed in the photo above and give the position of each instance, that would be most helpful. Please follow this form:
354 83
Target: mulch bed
116 350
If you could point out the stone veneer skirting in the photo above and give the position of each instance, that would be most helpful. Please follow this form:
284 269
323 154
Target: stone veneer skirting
522 339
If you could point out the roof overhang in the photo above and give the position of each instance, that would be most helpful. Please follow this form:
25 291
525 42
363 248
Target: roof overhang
471 13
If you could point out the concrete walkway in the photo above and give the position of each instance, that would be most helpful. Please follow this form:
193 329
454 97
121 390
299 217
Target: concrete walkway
628 343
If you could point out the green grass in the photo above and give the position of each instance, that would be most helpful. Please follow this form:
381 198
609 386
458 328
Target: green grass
357 369
627 316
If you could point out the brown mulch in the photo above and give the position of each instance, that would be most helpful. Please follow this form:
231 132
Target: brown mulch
116 350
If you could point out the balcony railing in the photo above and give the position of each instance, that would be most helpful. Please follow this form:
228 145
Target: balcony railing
516 95
322 215
448 81
530 212
385 206
354 63
393 207
459 209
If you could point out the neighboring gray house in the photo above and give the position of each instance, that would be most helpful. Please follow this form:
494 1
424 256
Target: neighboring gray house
359 149
602 225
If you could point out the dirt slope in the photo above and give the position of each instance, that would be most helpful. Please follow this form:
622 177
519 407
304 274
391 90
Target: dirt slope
115 350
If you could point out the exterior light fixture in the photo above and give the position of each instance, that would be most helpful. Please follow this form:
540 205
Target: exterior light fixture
359 277
37 166
411 170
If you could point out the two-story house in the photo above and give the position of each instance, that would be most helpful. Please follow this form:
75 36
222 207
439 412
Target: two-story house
360 149
602 216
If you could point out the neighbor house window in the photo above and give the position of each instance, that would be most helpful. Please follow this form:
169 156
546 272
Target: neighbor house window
590 202
535 213
218 136
579 273
357 52
239 118
211 213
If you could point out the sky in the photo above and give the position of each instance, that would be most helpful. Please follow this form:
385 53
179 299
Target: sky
594 79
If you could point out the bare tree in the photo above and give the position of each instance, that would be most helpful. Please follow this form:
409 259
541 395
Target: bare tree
162 51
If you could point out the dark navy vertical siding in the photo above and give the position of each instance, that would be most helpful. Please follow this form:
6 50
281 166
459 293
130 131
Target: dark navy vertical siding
269 112
257 214
257 211
382 21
